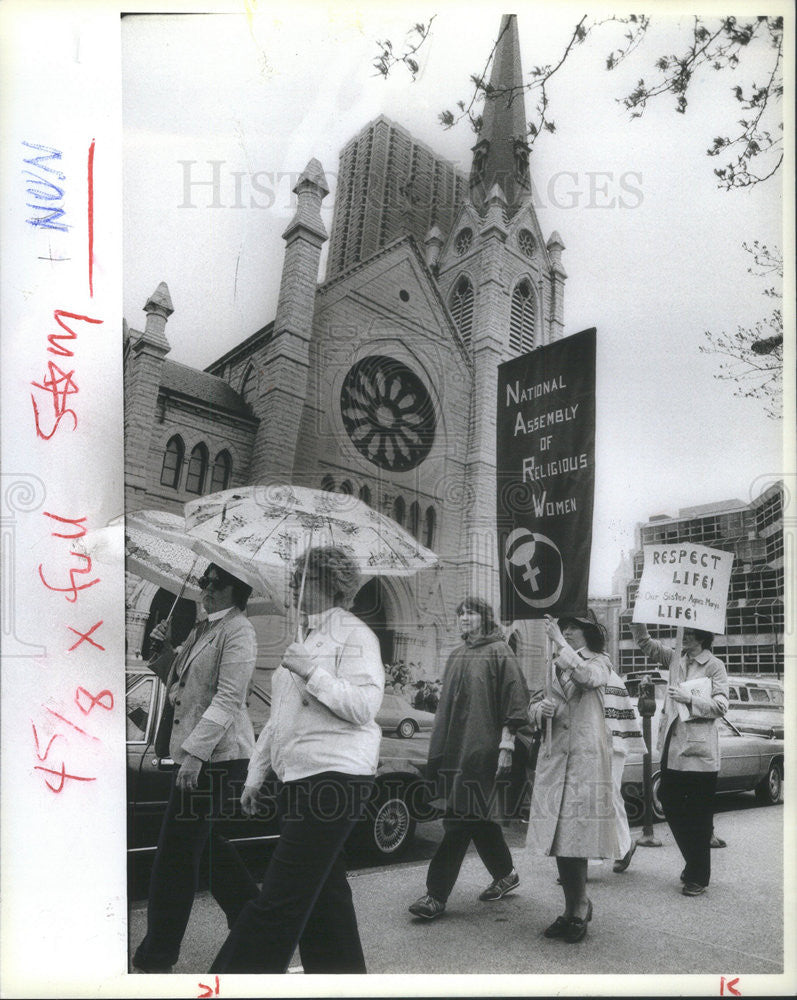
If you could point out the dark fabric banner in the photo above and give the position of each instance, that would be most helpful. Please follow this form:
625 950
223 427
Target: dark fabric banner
545 464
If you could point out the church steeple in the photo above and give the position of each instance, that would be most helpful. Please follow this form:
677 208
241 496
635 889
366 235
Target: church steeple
501 156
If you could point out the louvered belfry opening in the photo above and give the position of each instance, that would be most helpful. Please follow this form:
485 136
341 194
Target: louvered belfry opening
521 320
461 305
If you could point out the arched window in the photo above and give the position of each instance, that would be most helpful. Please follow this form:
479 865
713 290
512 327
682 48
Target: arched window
346 487
399 510
328 484
415 518
222 468
521 320
197 470
429 527
172 462
365 495
460 302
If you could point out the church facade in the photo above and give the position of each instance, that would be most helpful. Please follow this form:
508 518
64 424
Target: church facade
379 381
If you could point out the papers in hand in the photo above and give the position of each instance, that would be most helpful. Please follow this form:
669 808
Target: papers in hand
698 687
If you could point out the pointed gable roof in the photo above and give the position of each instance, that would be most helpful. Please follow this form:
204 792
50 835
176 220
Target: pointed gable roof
502 155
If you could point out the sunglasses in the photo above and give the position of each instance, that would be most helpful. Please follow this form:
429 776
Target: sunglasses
210 583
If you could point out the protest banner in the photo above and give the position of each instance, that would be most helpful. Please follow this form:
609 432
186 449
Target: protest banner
545 465
684 585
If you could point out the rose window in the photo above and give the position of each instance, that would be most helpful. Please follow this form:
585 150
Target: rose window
387 413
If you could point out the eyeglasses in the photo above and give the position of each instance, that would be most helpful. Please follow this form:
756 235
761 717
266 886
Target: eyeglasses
210 583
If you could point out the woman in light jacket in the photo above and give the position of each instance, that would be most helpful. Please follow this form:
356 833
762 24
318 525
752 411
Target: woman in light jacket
690 750
572 815
322 745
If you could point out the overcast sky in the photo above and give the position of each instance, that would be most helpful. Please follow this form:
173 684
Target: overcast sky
653 247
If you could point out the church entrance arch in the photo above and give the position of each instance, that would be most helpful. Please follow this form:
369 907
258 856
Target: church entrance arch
370 606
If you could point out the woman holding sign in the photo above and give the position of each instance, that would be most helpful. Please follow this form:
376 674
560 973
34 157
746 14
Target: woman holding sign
696 697
572 815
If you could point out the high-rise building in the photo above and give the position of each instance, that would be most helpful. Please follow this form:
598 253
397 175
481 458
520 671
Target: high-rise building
753 640
389 185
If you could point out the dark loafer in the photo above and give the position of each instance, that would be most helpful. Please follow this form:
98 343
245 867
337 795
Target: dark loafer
558 928
625 861
577 929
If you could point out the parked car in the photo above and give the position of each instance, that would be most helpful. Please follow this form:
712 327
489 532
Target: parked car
767 722
399 800
755 706
396 715
747 763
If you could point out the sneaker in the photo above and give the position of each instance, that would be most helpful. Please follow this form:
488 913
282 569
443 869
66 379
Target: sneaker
693 889
501 886
428 907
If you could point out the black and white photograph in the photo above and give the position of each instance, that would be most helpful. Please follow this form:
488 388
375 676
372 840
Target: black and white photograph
399 496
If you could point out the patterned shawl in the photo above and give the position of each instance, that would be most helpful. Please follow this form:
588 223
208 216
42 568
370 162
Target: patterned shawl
622 722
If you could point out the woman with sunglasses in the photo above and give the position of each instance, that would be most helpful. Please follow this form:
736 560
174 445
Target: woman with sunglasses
205 729
322 744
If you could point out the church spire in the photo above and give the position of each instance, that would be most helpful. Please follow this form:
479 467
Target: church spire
502 155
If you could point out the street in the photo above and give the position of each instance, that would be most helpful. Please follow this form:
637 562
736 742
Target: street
641 923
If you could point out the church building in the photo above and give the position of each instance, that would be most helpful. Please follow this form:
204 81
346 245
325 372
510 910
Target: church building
379 381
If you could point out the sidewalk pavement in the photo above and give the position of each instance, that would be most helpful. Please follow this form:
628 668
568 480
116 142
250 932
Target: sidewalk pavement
642 923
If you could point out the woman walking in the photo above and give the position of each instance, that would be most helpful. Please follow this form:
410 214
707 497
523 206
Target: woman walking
322 743
572 815
482 705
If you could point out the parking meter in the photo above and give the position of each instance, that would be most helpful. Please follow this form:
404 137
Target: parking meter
646 706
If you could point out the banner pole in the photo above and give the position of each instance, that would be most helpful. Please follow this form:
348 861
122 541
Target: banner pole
674 674
548 691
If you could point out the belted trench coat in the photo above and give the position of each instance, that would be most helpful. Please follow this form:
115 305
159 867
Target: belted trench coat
572 813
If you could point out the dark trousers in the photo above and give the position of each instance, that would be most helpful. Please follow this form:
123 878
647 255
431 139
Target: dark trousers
189 843
489 842
687 798
305 898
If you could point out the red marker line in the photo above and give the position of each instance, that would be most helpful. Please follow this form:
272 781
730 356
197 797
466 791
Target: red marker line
72 724
91 218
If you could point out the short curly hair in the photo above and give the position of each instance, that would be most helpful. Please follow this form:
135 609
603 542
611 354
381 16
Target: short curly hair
335 570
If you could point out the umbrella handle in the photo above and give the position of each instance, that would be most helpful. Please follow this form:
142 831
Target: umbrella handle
181 591
299 636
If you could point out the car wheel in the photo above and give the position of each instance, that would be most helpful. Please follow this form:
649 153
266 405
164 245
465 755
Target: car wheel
658 811
768 791
406 729
389 827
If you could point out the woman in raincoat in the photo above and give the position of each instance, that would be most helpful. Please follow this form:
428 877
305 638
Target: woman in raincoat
572 815
482 705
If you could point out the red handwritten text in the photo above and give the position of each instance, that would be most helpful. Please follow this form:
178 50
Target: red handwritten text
209 991
58 383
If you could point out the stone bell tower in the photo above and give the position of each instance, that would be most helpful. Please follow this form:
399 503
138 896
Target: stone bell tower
504 284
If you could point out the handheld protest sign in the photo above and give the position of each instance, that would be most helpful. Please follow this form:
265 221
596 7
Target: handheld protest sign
684 585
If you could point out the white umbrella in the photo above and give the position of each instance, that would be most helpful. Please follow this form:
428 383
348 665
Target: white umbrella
272 525
153 544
